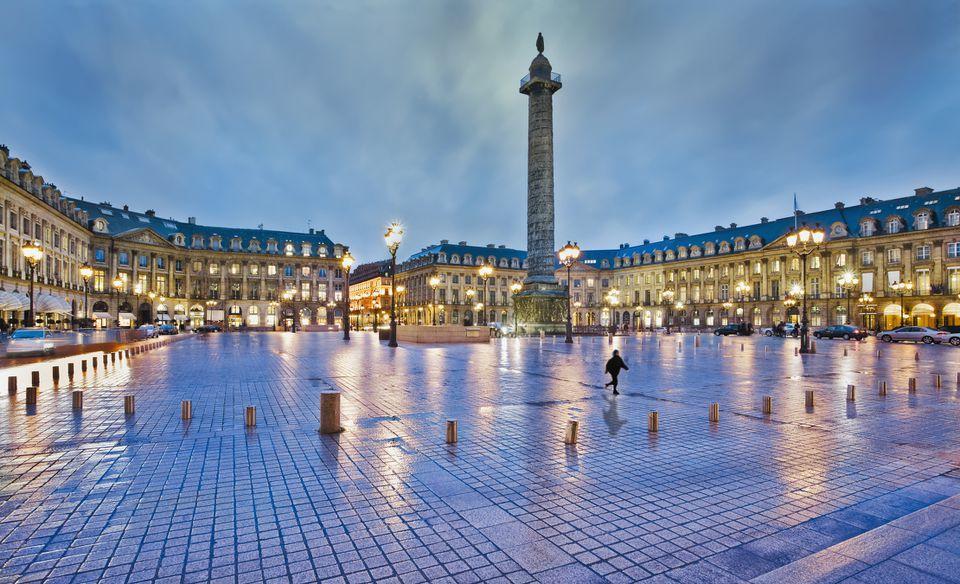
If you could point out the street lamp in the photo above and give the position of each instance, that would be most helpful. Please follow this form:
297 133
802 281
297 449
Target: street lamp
902 288
33 254
741 289
727 306
667 299
569 254
848 281
86 272
434 283
289 296
486 270
347 263
863 302
515 288
117 287
804 242
679 307
392 238
613 299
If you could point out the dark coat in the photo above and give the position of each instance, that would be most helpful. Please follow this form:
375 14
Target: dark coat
614 365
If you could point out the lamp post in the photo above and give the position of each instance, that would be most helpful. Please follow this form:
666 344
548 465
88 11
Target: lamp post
613 299
347 263
848 281
863 302
486 270
33 254
741 289
727 306
289 296
667 297
804 242
569 254
402 302
392 238
86 272
515 288
902 289
434 283
679 307
117 286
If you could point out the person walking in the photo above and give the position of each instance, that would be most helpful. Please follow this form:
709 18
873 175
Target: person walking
614 365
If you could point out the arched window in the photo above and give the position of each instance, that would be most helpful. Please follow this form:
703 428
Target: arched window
454 259
868 227
953 218
922 220
724 246
739 244
893 225
695 251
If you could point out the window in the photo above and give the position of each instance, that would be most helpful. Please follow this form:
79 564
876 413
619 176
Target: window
123 258
893 255
143 261
99 255
271 269
953 218
922 220
953 280
161 285
841 259
953 249
254 269
161 263
178 265
197 266
815 262
214 269
288 271
923 252
866 258
893 226
235 269
923 282
305 271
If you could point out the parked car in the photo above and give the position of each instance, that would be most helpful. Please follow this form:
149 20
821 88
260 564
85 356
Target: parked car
952 337
727 329
167 329
149 331
209 328
31 341
788 329
841 331
917 334
498 329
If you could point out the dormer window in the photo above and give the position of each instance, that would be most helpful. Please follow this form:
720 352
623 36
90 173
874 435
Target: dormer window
323 251
305 249
755 242
454 259
254 245
215 243
100 226
709 248
867 228
178 239
682 252
515 263
658 256
235 244
271 246
893 225
467 258
669 255
739 244
922 220
724 246
197 242
288 249
953 218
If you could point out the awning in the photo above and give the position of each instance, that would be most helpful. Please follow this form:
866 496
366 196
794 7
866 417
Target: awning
163 317
181 317
105 315
127 316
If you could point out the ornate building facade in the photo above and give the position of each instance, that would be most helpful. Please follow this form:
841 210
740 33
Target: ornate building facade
370 295
882 262
149 269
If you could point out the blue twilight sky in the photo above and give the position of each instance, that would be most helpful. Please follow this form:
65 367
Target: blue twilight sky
674 115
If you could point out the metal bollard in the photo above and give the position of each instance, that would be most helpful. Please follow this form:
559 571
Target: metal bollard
83 365
878 353
573 429
813 346
31 396
796 351
610 339
35 378
330 412
714 413
844 351
104 360
851 392
77 400
916 356
94 361
808 398
741 347
70 371
937 381
767 404
653 421
250 417
451 432
129 407
12 385
113 357
55 373
912 385
679 347
882 388
186 409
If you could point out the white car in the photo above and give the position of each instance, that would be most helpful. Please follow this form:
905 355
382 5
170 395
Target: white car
31 341
952 338
787 330
916 334
149 331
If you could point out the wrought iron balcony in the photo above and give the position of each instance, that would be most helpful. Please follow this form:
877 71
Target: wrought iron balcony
553 77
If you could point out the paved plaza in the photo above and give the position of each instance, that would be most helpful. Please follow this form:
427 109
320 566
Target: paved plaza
856 491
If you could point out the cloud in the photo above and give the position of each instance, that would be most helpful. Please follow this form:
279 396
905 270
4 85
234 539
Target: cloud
673 116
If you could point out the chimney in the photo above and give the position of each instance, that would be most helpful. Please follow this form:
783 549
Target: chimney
444 241
666 238
150 213
839 205
646 242
679 234
867 200
501 246
192 220
492 245
764 220
311 231
126 207
733 226
923 191
718 227
461 243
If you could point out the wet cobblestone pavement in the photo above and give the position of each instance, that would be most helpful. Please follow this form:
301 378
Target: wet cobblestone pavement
862 491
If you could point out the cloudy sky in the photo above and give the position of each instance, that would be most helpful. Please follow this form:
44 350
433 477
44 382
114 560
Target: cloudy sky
674 115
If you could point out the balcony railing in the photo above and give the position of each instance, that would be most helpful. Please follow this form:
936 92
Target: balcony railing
553 77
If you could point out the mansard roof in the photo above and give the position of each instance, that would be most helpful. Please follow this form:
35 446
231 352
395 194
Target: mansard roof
121 221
